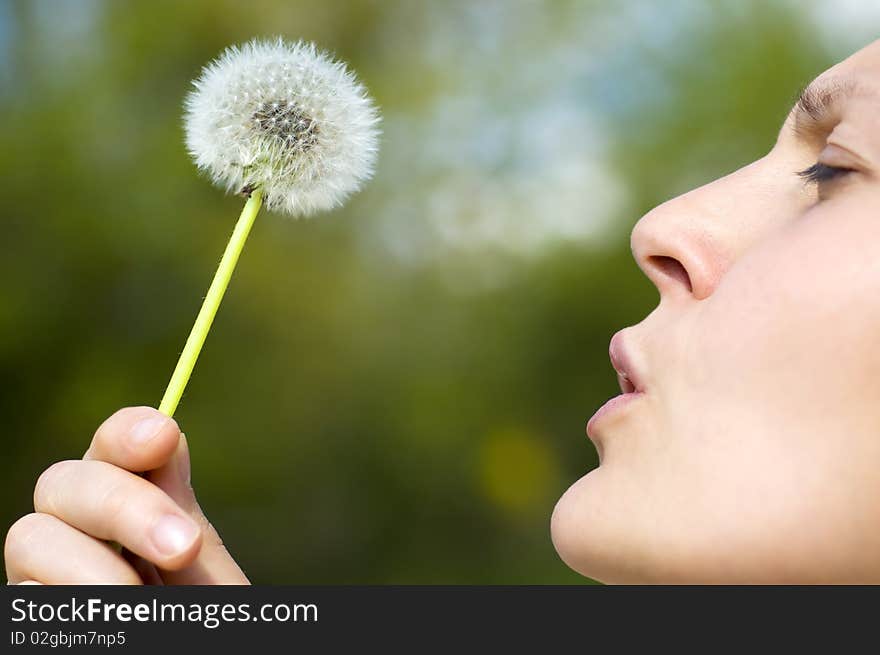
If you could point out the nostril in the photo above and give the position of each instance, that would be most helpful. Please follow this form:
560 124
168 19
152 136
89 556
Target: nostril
671 267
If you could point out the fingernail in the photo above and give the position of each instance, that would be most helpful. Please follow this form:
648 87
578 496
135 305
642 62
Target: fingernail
172 535
147 428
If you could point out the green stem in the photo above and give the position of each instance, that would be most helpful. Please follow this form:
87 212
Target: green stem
210 305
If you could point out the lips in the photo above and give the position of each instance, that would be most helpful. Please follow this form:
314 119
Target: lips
627 376
630 384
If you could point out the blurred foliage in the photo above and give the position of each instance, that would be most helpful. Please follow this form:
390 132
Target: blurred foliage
369 408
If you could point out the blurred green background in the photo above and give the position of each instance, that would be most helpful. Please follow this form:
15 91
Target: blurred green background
395 392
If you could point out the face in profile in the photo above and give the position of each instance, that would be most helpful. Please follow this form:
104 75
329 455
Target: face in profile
748 447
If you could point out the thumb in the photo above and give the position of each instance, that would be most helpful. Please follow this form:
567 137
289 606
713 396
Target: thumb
214 564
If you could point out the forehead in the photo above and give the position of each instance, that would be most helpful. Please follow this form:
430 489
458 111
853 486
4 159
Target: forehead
863 65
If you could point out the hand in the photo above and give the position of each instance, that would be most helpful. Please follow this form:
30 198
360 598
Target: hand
81 504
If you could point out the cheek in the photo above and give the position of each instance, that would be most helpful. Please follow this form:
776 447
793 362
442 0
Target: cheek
790 338
778 424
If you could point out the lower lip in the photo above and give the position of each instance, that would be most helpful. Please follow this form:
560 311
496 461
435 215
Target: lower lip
613 406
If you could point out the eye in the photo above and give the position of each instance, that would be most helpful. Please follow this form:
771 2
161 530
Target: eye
818 173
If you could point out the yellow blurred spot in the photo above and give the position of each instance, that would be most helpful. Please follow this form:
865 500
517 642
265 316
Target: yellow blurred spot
518 470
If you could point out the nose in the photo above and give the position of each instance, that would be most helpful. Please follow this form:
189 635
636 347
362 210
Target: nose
683 246
686 245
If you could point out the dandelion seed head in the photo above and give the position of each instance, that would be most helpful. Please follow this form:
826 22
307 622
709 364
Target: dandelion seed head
284 117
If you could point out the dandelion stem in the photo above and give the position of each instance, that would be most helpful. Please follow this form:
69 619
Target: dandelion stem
200 328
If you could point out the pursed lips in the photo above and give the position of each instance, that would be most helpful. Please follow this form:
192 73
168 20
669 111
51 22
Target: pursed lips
627 376
630 384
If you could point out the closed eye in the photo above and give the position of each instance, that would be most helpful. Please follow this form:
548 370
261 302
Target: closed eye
818 173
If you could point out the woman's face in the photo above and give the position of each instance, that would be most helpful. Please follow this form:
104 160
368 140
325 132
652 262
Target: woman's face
752 453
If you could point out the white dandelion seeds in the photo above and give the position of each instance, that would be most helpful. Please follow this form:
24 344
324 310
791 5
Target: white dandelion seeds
284 117
285 125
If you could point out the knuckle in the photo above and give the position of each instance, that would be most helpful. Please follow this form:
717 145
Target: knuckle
128 503
51 481
116 500
22 534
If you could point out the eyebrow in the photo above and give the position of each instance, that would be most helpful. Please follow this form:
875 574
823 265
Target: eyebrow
817 101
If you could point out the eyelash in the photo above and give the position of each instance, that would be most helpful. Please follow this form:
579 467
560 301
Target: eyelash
818 173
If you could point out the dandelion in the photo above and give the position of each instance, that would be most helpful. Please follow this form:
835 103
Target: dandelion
285 118
284 125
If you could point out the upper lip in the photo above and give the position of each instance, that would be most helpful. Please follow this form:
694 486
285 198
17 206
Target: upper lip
627 376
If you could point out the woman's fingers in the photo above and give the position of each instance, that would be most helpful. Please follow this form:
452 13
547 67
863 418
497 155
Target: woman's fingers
32 552
106 502
142 439
136 439
155 517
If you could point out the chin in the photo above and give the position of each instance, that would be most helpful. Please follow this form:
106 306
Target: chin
583 535
597 533
608 535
